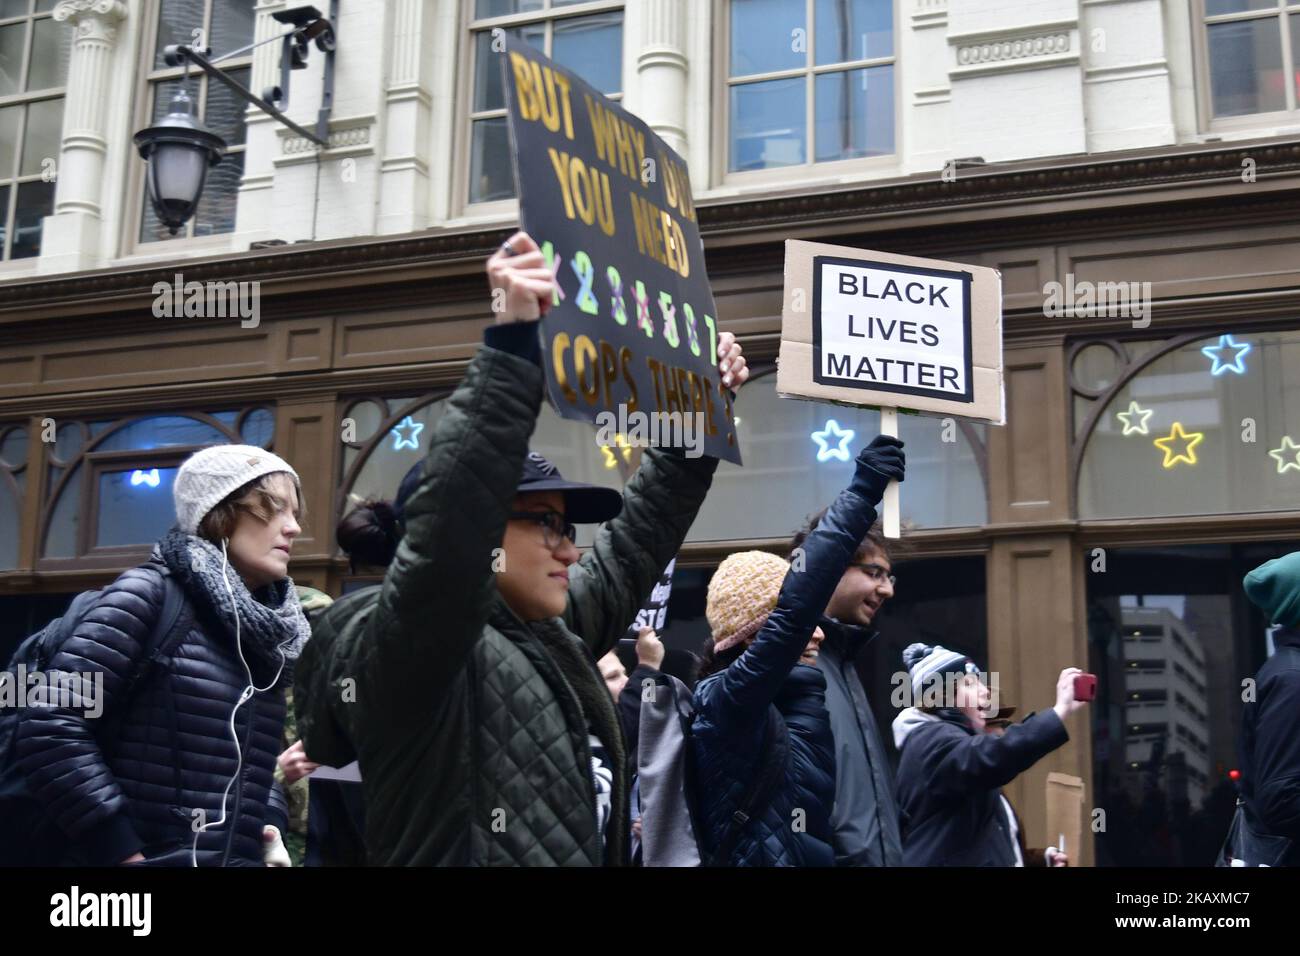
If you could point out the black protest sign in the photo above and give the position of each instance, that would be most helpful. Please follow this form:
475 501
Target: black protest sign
655 611
630 340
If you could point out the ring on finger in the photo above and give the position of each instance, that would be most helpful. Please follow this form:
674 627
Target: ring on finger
508 249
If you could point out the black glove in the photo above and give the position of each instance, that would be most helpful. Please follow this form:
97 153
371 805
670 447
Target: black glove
878 464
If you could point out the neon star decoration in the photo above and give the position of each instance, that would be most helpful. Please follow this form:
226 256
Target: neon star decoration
1288 456
842 438
411 440
141 477
1215 354
1135 419
620 442
1188 452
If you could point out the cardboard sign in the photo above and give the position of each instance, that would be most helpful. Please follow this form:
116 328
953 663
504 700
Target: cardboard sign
631 337
1065 814
655 611
883 330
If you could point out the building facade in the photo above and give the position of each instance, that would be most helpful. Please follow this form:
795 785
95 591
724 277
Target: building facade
1130 166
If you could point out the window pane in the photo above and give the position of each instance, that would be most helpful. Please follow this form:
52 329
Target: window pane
763 38
387 464
258 427
14 8
135 506
1246 73
593 48
44 133
1171 635
9 120
855 113
177 21
4 215
1215 7
10 518
500 8
768 124
12 40
51 48
1295 51
491 175
487 64
853 30
163 93
1201 466
216 212
13 448
162 431
45 6
35 202
61 536
232 25
224 113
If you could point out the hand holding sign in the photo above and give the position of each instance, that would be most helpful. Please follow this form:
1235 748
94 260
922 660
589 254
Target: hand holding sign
519 270
731 362
879 463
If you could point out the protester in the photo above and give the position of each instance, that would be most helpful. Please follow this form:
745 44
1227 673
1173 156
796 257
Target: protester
478 708
951 773
613 674
186 777
1051 856
759 714
650 653
1269 743
865 815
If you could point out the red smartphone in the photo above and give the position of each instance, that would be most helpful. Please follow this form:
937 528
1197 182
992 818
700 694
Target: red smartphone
1085 686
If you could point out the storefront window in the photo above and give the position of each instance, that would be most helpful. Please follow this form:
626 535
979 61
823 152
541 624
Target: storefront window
1171 638
1211 427
799 455
13 476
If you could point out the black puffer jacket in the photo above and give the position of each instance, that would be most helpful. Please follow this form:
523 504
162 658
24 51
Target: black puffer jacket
1270 746
140 792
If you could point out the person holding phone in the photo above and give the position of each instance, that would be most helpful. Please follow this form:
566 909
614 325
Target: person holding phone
951 772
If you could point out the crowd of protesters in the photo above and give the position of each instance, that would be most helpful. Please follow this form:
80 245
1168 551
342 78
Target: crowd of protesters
478 692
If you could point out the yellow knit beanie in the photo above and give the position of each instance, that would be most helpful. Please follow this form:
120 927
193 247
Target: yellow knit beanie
742 593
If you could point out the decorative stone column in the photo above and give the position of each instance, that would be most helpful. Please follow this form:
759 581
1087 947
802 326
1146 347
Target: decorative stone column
662 71
72 234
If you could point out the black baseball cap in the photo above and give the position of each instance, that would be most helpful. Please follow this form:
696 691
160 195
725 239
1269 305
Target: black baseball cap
583 504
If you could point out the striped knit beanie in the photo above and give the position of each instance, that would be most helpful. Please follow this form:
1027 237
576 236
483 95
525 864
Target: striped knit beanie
924 661
742 593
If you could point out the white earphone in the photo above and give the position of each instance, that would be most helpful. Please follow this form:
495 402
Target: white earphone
244 696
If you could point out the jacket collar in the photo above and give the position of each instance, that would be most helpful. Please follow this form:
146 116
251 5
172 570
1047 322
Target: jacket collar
1287 637
847 640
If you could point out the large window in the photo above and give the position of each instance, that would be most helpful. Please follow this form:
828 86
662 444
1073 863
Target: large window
13 482
1252 52
224 26
586 37
1189 426
809 81
1171 638
34 53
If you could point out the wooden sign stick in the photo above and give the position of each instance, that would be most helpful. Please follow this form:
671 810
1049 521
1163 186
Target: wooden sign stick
889 513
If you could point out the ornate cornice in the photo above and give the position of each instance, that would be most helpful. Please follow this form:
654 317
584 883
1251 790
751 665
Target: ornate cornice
94 19
1166 190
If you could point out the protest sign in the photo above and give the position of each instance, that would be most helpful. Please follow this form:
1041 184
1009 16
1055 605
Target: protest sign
655 611
630 340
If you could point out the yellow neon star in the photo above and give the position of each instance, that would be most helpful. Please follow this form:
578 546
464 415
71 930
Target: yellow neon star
1290 450
1187 454
621 443
1135 411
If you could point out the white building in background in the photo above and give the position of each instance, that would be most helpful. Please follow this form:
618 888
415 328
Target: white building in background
1166 707
761 96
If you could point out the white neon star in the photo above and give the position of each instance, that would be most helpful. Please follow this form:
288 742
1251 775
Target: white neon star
1135 411
1290 450
412 440
842 438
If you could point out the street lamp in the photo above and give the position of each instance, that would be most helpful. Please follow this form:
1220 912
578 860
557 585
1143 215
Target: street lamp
178 149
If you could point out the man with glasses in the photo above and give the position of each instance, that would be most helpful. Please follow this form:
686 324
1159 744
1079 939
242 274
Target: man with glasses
484 731
865 816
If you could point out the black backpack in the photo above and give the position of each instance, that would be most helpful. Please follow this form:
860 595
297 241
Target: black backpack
28 834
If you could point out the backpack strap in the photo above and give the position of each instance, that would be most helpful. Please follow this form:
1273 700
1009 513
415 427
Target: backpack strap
776 756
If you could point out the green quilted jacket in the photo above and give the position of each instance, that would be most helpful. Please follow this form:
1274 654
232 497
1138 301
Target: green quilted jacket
471 726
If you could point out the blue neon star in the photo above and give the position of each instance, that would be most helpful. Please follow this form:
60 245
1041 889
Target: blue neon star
408 441
1237 364
842 438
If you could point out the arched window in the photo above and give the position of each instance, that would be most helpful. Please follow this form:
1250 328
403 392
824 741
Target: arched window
13 482
1188 426
119 475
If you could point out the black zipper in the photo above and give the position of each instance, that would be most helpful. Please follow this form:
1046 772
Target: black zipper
239 782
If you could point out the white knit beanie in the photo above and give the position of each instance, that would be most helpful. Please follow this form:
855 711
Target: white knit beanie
211 474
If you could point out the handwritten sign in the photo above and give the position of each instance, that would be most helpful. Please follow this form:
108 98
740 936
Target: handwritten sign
631 330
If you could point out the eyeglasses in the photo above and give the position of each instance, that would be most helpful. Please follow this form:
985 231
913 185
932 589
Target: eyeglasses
554 528
876 573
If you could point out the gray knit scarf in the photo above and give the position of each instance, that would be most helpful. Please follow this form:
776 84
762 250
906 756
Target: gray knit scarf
272 626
